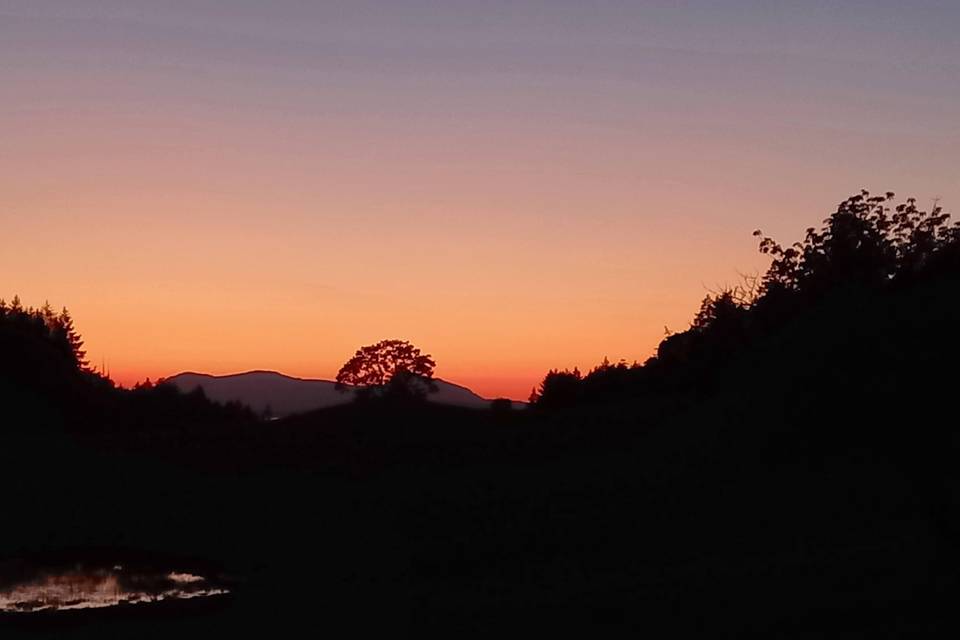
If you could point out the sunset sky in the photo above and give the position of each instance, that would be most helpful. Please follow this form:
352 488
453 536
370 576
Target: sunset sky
220 186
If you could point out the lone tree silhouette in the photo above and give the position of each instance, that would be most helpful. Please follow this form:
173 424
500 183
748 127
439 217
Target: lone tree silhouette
390 367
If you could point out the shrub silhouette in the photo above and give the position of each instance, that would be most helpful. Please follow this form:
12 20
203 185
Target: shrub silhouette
560 389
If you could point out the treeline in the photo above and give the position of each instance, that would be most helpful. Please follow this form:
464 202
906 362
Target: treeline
866 248
44 324
42 356
44 367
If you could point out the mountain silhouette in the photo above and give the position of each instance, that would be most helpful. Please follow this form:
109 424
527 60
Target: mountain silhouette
282 395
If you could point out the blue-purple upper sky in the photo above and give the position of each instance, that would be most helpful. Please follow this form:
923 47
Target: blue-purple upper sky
463 174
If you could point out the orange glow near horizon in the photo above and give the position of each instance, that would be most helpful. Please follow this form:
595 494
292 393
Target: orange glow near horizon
536 188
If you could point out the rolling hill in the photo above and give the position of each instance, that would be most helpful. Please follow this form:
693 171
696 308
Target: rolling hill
285 395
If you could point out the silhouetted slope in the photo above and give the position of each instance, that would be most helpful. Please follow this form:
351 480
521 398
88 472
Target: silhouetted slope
866 252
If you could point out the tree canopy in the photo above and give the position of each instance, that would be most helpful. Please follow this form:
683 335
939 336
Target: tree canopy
863 243
390 365
866 247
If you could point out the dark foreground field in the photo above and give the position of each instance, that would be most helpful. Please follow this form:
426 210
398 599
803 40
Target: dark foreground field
753 509
654 533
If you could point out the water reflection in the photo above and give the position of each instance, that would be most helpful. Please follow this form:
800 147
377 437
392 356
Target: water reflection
92 588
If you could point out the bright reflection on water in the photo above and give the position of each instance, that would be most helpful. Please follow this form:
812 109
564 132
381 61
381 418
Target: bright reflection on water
81 588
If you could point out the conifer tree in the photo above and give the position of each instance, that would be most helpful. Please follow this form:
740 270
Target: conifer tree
73 338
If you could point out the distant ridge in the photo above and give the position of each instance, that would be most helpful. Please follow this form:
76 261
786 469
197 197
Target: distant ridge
282 395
